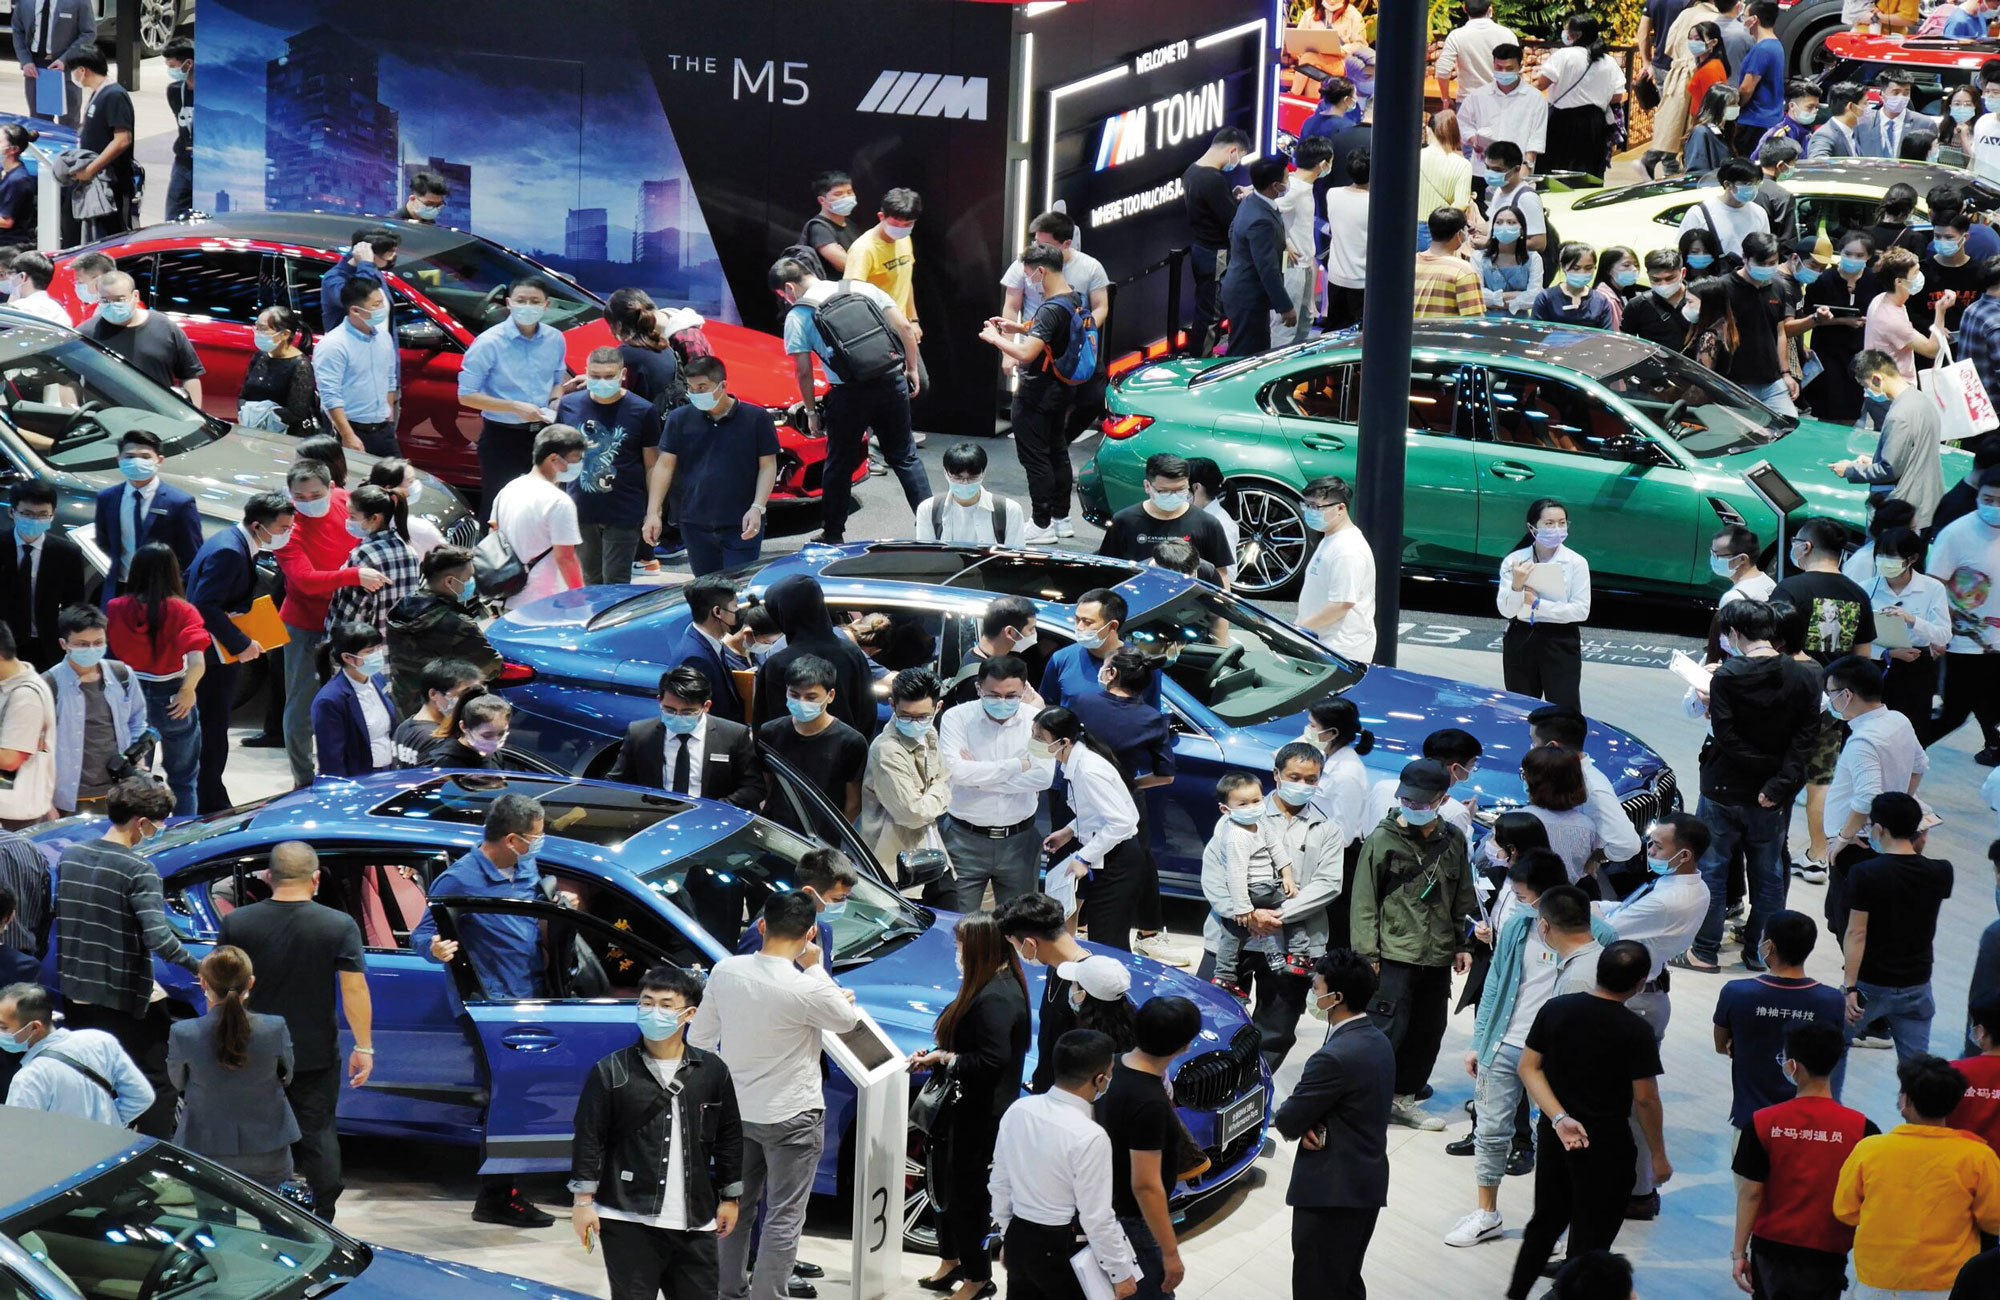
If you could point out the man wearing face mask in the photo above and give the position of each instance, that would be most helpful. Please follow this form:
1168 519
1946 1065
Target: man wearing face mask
967 512
905 788
1761 306
828 231
621 441
45 577
1337 599
1100 619
1167 511
1504 109
221 583
656 1165
1883 130
713 614
437 622
724 454
100 710
1966 558
996 783
1412 913
425 201
110 921
1907 464
827 878
1752 1015
143 509
1209 194
148 341
885 257
512 375
314 563
358 368
1738 215
690 748
1339 1114
435 693
33 273
1659 315
504 948
1846 101
49 1078
537 516
372 254
1039 412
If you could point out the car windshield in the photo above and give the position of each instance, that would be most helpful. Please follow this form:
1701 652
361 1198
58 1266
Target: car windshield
164 1225
1703 412
724 886
470 281
1246 666
71 401
668 599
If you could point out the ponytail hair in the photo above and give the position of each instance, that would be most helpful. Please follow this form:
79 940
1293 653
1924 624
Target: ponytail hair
1066 726
474 708
390 473
633 318
1132 669
370 499
226 972
1340 717
346 639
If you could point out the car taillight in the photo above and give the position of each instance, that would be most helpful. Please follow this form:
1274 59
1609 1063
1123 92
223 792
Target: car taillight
1124 426
513 674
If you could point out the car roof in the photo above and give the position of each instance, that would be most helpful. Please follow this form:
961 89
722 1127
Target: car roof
1871 174
1918 51
44 1148
327 231
1593 352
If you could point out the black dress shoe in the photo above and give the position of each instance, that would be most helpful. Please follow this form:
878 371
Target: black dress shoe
1521 1160
262 740
1424 1093
1988 757
1555 1265
1643 1208
807 1269
986 1291
1465 1146
943 1285
800 1289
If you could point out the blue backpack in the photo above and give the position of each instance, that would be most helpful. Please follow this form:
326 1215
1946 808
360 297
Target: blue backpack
1078 363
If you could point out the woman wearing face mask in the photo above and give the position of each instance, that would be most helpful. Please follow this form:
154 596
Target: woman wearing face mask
1707 145
156 633
1541 653
1850 288
1961 113
437 621
278 392
1617 281
231 1067
1700 252
399 479
1510 273
1107 857
1891 326
1582 83
371 522
1556 797
473 735
1912 606
1571 300
353 719
982 1039
1333 726
18 200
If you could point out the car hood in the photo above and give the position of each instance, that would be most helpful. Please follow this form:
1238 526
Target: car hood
397 1274
759 370
1804 454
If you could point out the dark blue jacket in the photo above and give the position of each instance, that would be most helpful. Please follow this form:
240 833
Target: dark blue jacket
340 728
1255 280
331 313
172 518
694 648
223 581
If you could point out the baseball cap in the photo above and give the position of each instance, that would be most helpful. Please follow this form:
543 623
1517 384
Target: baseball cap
1104 978
1424 779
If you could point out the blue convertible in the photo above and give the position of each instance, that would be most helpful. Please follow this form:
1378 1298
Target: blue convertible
584 664
656 878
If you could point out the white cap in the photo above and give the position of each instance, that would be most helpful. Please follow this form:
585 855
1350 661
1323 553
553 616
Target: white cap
1104 978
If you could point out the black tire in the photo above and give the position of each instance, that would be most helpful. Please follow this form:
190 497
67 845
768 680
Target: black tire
1273 548
1814 61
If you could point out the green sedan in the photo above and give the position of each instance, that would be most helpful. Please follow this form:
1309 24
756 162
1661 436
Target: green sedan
1645 447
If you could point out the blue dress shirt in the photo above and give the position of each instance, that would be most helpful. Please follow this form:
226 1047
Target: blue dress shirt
515 367
504 947
1072 671
356 372
50 1085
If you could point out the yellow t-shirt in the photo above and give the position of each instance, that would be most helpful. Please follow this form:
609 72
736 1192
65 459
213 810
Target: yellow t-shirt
889 267
1907 10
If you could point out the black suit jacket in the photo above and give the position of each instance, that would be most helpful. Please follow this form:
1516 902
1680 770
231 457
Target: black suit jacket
730 768
59 582
1347 1087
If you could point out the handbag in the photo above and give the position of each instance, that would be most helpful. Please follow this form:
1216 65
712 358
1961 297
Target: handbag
1963 403
497 571
928 1114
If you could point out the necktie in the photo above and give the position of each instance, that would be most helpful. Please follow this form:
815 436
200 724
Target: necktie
47 18
28 583
131 538
681 765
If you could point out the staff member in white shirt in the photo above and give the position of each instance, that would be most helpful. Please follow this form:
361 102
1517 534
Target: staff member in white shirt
1311 159
1465 61
1880 755
967 513
1541 654
1105 827
1052 1168
996 783
1337 598
1899 591
774 1004
1568 729
1504 110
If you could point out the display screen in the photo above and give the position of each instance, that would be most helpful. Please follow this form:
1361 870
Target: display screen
870 1047
1775 487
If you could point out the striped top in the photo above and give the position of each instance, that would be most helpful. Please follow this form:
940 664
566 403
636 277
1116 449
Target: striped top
1447 286
109 917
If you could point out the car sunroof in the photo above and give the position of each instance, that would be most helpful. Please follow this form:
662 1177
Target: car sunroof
591 814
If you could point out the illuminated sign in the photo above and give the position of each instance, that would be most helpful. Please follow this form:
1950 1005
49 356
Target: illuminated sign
1182 116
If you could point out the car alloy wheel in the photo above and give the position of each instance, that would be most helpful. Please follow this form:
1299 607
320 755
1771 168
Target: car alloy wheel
1814 57
1273 544
919 1230
158 20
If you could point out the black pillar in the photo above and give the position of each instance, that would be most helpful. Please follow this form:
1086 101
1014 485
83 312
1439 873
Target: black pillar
126 51
1400 32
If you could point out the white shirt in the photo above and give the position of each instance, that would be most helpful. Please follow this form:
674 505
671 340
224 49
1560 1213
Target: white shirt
1881 754
1295 205
943 518
1052 1164
1758 587
1347 237
1859 567
1106 815
1489 114
1342 796
1614 828
1573 607
375 716
697 747
673 1188
774 1013
990 789
1575 81
1730 225
1986 146
1540 965
1343 569
1923 596
1966 557
534 515
1232 532
1521 194
40 304
1573 835
1083 273
1663 914
1382 801
1467 55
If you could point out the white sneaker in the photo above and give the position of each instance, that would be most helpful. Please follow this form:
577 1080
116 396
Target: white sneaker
1410 1113
1034 536
1478 1226
1810 870
1155 946
1874 1041
1064 528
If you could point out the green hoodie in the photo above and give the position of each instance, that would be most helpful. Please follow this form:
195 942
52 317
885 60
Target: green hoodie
1412 895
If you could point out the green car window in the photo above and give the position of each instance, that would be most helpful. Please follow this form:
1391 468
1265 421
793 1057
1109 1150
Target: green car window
1244 665
1704 413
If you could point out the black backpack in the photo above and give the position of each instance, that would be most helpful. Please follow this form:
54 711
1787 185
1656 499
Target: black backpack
808 256
861 345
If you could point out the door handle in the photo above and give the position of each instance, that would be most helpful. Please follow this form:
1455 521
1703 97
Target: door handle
1511 470
1324 443
530 1040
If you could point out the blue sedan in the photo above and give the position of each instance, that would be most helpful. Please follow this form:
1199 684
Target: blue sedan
657 879
92 1212
584 664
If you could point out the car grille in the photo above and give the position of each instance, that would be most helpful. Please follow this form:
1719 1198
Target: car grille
465 532
1219 1161
1213 1079
1647 806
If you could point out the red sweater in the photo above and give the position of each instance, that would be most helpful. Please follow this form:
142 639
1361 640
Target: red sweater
157 655
314 562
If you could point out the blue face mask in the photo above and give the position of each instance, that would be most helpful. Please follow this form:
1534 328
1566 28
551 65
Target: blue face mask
371 665
1962 112
1761 274
1625 279
116 313
803 710
1806 275
1719 564
1315 519
358 531
9 1043
1495 180
1659 866
1578 280
1852 265
1506 234
265 342
426 211
997 709
88 656
1295 793
1945 247
1170 501
703 401
1745 193
313 509
137 469
658 1024
1418 816
1989 515
378 318
29 529
1874 394
834 909
680 724
526 314
176 74
1090 640
966 492
1700 261
603 389
1507 79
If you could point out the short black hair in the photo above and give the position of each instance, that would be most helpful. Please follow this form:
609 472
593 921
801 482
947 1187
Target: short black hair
1005 612
558 440
1815 1046
429 183
1266 172
1623 966
1047 257
1177 554
965 458
1165 1025
1932 1084
1330 488
672 979
1738 171
1165 464
1823 534
357 291
1504 155
1896 812
915 684
512 814
822 869
32 492
139 796
1853 673
36 266
998 668
688 684
1452 745
903 203
1445 224
1348 973
705 595
1081 1055
1689 831
1564 726
790 915
1593 1275
142 438
1985 1014
1753 620
1565 908
446 675
1539 869
1058 224
268 508
1110 604
89 58
808 671
1792 935
830 180
1316 149
80 618
1739 540
709 368
1294 751
1031 916
532 282
1230 135
180 49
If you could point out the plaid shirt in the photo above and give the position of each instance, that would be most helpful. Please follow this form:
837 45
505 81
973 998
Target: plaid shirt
391 556
1979 340
109 916
1447 286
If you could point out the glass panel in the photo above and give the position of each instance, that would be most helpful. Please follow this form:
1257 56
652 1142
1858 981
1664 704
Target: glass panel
45 380
1260 670
1705 413
1323 393
470 282
1546 414
1434 401
598 815
222 285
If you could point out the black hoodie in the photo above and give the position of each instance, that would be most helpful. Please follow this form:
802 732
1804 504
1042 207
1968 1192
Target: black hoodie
424 626
1763 711
798 606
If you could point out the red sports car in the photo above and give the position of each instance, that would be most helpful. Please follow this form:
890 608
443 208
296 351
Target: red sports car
214 275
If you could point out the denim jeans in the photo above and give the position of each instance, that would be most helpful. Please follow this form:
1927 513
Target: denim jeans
1496 1096
712 549
1756 830
1151 1260
1774 396
180 743
1909 1012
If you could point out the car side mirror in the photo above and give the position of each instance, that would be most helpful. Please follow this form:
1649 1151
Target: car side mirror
919 867
1631 449
421 336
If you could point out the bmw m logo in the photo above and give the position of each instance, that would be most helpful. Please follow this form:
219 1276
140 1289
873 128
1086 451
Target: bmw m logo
1124 138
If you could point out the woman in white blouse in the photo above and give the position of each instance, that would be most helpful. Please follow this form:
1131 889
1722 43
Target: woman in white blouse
1899 591
1541 654
1109 857
1334 727
1582 82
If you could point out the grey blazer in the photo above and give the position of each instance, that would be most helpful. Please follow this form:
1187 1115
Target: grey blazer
233 1112
72 29
1347 1087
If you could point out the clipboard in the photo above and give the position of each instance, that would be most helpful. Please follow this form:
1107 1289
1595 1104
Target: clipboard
744 682
261 624
1090 1276
1547 580
1891 633
50 92
1683 666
